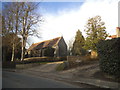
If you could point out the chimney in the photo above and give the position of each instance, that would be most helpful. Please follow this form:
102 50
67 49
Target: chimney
118 31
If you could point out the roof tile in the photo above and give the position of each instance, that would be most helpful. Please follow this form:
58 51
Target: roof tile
43 44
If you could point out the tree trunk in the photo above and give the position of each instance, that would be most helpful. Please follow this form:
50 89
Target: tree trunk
13 52
22 50
23 47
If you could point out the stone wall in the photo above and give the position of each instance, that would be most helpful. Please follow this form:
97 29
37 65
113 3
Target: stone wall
74 60
80 60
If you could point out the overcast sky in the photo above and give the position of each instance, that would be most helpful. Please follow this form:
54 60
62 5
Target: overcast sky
65 18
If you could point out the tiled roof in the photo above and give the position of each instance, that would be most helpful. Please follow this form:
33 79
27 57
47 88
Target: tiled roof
115 36
43 44
112 36
117 27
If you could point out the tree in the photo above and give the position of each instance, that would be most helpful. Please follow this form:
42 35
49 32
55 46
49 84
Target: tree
95 31
10 24
8 27
70 45
21 18
28 20
78 44
7 45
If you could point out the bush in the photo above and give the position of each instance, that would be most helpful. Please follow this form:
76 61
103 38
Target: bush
62 66
62 58
8 64
109 56
40 59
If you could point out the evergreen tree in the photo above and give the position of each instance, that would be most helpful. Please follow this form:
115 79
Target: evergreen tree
78 44
95 31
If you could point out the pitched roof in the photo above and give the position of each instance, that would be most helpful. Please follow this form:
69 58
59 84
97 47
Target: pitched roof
112 36
117 27
43 44
115 36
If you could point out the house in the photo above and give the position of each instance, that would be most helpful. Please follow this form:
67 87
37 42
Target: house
117 33
53 48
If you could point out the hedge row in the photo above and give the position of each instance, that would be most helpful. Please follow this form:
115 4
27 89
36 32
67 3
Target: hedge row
109 56
8 64
41 59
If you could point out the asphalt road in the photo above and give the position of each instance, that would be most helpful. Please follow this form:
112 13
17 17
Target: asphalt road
20 80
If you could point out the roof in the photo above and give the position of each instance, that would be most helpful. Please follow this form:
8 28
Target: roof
112 36
117 27
43 44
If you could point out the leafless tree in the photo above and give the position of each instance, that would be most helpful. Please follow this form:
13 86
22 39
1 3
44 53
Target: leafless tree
21 19
8 25
28 20
70 45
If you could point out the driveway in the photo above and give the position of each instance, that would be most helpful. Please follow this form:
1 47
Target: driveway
48 71
48 67
81 76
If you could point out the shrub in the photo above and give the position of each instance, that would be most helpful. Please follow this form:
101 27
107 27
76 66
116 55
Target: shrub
40 59
8 64
109 56
62 58
62 66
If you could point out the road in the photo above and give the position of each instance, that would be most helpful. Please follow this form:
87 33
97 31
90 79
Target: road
20 80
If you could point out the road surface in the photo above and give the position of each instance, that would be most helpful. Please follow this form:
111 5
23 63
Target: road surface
20 80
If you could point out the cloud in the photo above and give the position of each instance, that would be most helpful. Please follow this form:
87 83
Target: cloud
66 23
107 9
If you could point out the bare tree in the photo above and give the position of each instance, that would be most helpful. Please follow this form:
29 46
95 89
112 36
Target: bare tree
28 20
70 45
11 15
21 19
8 26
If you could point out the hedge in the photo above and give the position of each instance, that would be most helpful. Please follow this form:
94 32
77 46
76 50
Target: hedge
109 56
8 64
41 59
33 61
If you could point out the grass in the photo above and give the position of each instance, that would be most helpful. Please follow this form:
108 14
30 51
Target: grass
34 58
43 62
62 66
29 65
38 62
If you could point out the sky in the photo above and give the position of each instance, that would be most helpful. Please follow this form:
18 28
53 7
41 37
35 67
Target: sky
65 18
